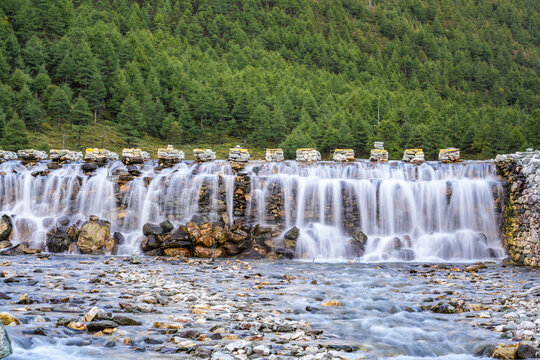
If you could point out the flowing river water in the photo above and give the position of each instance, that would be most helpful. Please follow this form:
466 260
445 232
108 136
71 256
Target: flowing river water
383 313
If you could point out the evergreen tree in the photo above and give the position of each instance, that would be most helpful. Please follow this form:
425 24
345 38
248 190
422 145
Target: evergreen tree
15 136
59 106
131 120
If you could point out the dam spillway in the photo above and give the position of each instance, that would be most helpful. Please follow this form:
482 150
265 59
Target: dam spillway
427 212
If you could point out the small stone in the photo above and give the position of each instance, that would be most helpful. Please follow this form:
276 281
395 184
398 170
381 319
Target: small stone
8 319
261 350
332 303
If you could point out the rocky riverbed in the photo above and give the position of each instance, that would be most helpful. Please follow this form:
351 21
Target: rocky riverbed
92 307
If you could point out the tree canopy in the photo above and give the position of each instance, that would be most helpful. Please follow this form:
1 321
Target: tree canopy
412 73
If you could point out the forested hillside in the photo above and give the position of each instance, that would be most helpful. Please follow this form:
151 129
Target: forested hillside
413 73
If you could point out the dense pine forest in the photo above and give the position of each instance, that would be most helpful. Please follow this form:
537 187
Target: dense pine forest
290 73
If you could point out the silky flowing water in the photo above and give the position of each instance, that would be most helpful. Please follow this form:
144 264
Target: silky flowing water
380 314
431 212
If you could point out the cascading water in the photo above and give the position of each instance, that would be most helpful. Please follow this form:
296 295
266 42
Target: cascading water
425 213
429 212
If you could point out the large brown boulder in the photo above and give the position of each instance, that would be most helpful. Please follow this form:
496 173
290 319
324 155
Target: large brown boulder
93 235
179 252
5 227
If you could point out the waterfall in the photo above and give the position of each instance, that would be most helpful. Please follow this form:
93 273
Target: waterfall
429 212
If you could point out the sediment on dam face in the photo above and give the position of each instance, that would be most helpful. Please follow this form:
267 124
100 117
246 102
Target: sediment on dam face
520 226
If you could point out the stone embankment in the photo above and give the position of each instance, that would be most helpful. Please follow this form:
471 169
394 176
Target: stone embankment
520 226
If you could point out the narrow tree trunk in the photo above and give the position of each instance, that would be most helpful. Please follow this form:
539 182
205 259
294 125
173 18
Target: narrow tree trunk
95 115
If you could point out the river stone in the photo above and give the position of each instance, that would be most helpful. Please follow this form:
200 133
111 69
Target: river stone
359 236
177 252
93 235
292 234
58 241
125 321
152 229
5 343
5 227
101 325
526 352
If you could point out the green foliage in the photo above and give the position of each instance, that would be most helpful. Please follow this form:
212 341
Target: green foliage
327 74
15 136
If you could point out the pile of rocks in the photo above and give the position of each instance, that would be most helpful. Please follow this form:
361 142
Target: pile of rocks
31 155
449 155
521 216
343 155
238 157
7 155
65 155
99 156
378 154
273 155
203 155
307 155
170 156
134 156
415 156
216 240
238 154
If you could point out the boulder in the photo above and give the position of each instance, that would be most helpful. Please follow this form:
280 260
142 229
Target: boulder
166 226
89 167
5 244
93 235
202 155
285 252
6 225
150 242
449 155
152 229
343 155
359 236
58 240
5 343
205 240
274 155
307 155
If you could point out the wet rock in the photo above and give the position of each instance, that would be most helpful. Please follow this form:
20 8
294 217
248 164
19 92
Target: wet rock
58 241
89 167
101 325
443 308
331 303
8 319
152 229
261 350
63 220
6 226
93 235
150 242
119 238
125 321
5 343
526 352
204 252
285 252
166 226
218 355
177 252
5 244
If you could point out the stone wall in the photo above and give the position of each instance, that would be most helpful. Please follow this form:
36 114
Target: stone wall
520 226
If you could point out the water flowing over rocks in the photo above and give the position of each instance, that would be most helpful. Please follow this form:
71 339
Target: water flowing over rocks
307 155
95 236
274 155
341 155
415 156
521 219
204 308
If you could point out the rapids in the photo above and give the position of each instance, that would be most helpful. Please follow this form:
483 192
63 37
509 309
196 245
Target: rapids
431 212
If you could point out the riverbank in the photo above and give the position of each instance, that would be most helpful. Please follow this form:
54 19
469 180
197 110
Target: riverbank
227 309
